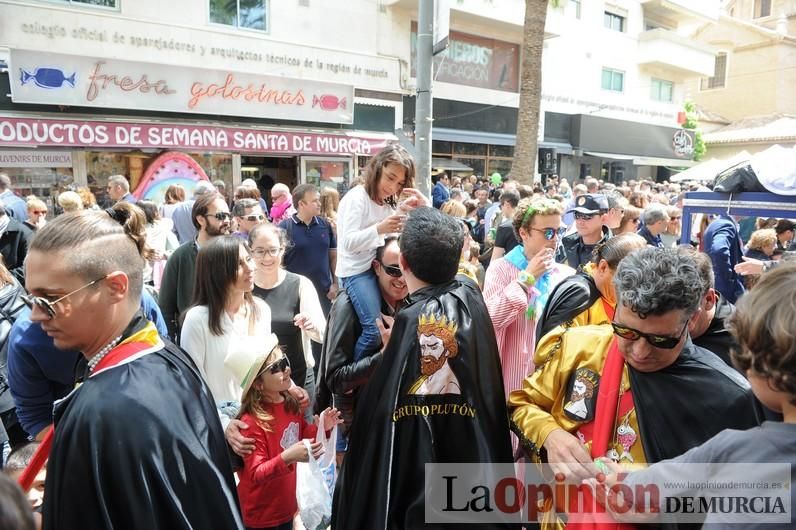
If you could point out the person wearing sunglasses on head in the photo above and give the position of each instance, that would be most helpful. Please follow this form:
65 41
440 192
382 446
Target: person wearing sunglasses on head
247 214
646 393
211 218
576 249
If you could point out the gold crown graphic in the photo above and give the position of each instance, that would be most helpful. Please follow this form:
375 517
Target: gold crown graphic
431 322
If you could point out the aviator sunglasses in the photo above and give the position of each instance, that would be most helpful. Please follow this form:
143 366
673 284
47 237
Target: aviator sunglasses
584 216
49 306
392 270
659 341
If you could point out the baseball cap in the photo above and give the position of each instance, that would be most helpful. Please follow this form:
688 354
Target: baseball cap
590 203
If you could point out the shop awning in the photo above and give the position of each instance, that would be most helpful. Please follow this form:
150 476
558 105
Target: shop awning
613 156
472 137
670 162
449 164
560 147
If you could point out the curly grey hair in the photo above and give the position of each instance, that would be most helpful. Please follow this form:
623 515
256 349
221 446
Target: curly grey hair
654 281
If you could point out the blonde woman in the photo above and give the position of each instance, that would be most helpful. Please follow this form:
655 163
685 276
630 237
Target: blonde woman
70 201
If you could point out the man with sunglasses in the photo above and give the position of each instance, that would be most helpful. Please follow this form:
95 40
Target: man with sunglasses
340 377
656 394
247 214
211 218
576 248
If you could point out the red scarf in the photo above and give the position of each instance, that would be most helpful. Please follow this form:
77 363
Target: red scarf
114 357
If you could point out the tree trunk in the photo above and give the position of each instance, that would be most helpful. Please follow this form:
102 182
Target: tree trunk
522 167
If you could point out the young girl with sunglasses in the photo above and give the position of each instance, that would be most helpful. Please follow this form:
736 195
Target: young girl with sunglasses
367 214
267 487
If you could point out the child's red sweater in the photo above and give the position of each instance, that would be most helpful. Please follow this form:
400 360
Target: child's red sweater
267 487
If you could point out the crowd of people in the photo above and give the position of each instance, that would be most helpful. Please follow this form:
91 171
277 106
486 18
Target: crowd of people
174 362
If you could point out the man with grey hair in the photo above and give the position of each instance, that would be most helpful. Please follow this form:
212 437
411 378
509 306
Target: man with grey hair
14 205
119 189
183 220
616 209
655 219
671 395
248 214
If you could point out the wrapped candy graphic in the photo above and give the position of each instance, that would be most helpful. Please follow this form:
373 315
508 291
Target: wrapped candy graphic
328 102
47 78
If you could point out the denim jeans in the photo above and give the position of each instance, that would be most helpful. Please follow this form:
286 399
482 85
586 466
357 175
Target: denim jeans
363 290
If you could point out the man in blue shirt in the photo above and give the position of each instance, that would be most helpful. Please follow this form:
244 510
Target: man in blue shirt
655 218
313 244
15 206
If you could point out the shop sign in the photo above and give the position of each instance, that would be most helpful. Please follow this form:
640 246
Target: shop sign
683 144
474 61
35 158
57 79
76 133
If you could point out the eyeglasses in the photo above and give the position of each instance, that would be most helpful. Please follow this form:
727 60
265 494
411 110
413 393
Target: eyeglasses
584 216
221 216
659 341
253 217
550 233
392 270
277 367
260 253
39 212
49 307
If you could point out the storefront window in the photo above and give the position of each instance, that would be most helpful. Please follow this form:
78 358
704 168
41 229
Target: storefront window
497 165
477 164
443 148
327 172
504 151
469 149
216 167
102 164
42 182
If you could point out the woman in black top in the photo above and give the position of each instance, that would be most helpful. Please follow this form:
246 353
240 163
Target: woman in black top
296 315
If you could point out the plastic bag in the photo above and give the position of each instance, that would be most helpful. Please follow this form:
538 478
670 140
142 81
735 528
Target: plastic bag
736 179
315 483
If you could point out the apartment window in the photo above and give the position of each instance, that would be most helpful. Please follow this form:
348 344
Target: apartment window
100 3
762 8
250 14
575 6
613 80
662 90
719 78
614 21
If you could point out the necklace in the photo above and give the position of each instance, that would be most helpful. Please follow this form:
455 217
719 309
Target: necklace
92 363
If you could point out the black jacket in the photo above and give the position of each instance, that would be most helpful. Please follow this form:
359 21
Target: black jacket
571 297
11 304
14 247
572 251
339 377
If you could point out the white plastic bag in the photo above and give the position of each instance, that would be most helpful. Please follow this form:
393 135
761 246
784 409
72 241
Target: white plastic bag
315 483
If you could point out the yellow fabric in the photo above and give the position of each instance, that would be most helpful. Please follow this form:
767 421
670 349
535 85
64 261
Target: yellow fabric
468 270
595 314
148 334
538 407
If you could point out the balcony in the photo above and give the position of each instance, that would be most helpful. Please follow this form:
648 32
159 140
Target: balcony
683 10
665 49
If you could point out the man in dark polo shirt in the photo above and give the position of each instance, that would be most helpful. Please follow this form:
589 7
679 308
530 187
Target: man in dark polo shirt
313 245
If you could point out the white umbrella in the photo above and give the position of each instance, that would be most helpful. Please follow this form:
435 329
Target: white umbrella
776 169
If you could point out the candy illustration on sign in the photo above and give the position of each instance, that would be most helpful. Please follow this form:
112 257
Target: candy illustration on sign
329 102
47 78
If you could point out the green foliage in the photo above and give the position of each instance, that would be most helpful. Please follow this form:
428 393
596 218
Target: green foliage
692 123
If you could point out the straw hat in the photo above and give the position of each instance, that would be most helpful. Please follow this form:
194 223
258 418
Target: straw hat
246 360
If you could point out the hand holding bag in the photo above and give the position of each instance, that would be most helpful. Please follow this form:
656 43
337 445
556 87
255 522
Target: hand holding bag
314 500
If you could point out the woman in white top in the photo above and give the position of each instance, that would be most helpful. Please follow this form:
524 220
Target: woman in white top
367 213
225 316
160 239
296 314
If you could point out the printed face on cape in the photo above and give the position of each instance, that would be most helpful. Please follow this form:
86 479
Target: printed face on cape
437 344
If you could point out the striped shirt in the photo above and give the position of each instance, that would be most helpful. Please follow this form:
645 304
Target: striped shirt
507 302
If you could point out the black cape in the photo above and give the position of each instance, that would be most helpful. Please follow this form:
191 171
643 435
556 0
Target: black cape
381 484
141 446
571 297
687 403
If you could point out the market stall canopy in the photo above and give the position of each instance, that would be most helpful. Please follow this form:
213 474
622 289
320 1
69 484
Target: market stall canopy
448 164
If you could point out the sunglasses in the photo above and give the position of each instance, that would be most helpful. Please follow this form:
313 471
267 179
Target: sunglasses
659 341
260 253
392 270
49 306
550 233
39 212
277 367
584 216
221 216
253 217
